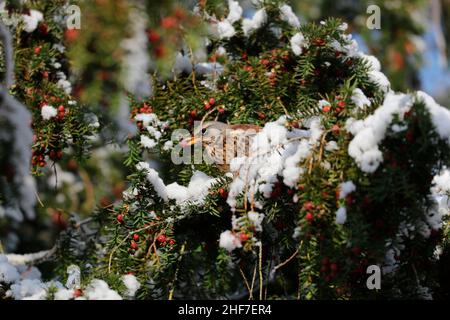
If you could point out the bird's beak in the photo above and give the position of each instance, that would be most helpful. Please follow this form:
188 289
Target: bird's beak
188 142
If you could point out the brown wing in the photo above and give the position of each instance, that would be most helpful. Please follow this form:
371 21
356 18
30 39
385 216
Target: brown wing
246 127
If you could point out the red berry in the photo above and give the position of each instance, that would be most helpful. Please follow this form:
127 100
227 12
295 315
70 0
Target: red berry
77 293
52 154
223 193
134 245
221 110
42 164
45 74
243 236
326 109
265 62
308 205
309 217
171 242
212 101
161 238
356 251
135 237
153 36
59 154
37 50
61 109
207 105
168 22
335 128
71 34
43 28
333 267
193 113
120 217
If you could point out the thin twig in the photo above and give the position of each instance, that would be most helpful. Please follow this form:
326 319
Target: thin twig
176 271
286 261
261 284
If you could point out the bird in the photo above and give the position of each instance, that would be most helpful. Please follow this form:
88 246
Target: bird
223 142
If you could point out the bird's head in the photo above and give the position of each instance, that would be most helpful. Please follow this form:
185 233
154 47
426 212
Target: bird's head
207 132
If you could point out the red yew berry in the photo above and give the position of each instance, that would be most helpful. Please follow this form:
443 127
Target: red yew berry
243 236
61 109
223 193
308 205
207 105
135 237
333 267
71 34
212 101
171 242
221 110
309 217
341 104
134 245
77 293
119 217
153 36
161 238
356 251
335 128
193 113
168 22
326 109
37 50
43 28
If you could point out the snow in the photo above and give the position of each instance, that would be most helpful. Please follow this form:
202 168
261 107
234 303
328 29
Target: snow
274 152
136 61
154 179
229 241
440 116
289 16
147 142
31 21
341 215
256 218
8 273
64 294
250 25
48 112
99 290
196 191
182 64
359 99
29 290
346 188
331 146
323 103
235 11
225 29
369 133
380 80
131 283
441 183
147 118
18 133
297 42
